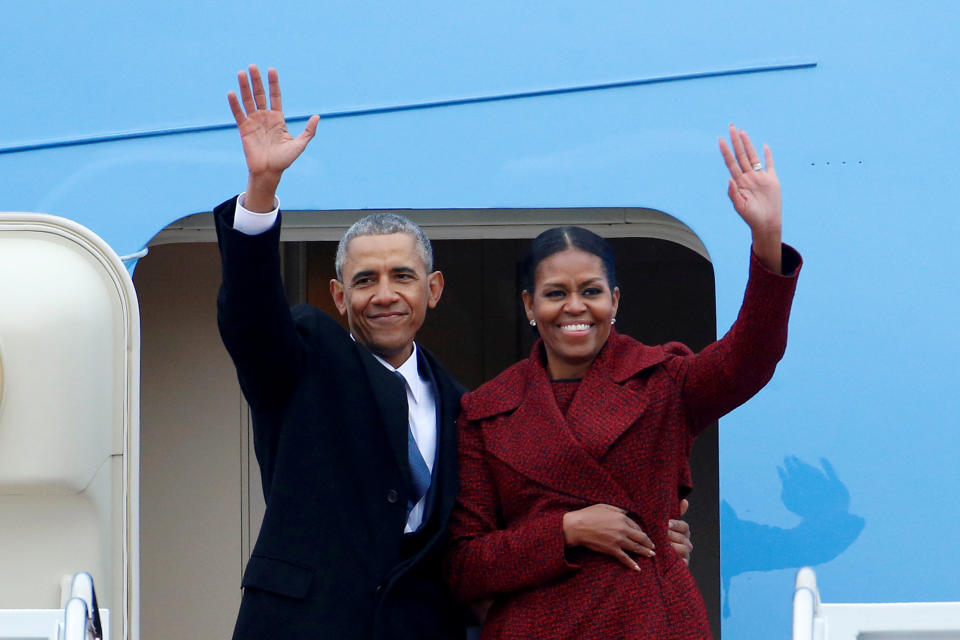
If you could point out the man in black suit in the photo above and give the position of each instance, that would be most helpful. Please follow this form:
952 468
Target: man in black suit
354 431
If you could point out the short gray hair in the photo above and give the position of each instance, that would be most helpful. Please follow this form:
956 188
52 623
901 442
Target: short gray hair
382 224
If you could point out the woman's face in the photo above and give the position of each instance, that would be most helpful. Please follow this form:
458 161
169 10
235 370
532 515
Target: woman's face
573 305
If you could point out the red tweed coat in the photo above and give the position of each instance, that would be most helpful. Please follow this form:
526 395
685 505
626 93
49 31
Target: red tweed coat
522 468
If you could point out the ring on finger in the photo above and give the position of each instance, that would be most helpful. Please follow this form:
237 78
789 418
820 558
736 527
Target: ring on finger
756 166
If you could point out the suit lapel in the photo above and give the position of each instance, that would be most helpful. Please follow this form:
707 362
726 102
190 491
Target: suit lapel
391 398
443 490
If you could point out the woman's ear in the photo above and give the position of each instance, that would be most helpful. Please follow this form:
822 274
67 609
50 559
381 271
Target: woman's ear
527 304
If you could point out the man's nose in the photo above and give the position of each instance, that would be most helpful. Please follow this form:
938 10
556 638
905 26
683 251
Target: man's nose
385 293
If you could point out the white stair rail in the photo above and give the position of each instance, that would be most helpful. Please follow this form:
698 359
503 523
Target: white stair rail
816 620
82 589
806 606
75 620
79 619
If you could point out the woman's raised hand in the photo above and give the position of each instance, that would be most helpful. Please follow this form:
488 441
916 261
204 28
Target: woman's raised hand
267 144
754 191
607 529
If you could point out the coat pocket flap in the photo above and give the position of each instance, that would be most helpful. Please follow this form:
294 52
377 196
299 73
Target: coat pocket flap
277 576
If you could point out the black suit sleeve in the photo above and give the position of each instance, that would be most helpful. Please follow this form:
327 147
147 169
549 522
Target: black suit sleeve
252 313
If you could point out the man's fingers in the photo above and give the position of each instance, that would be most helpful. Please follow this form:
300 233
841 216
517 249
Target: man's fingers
235 108
310 130
259 95
680 527
273 79
245 95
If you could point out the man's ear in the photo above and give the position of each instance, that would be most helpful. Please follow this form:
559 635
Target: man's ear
336 292
434 288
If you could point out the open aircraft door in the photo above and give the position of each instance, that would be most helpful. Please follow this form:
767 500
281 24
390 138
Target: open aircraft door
69 429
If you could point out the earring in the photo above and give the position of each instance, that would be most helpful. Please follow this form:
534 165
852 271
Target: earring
533 323
613 321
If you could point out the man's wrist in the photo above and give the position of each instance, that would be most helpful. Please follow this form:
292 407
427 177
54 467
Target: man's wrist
261 192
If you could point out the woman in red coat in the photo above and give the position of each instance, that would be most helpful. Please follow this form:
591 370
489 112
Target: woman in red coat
570 460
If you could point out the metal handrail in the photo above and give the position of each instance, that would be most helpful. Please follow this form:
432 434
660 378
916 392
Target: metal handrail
806 606
81 617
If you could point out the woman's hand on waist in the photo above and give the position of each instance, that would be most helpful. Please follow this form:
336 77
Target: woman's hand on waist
607 529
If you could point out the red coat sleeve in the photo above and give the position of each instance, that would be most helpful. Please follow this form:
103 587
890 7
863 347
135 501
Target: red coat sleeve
485 559
730 371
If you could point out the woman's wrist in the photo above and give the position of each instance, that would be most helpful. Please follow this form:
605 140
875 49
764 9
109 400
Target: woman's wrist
569 528
767 246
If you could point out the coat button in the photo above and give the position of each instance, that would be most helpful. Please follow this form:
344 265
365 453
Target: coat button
380 588
392 496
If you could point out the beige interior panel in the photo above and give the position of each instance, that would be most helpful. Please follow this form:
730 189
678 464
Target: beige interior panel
191 455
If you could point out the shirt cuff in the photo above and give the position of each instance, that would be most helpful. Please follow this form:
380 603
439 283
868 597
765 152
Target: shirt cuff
252 223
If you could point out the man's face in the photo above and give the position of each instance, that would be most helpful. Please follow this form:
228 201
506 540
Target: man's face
385 293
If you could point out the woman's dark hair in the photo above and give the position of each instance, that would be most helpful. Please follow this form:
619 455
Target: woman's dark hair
559 239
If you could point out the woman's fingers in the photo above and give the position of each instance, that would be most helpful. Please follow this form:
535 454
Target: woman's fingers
641 542
629 562
752 156
767 156
608 529
728 159
739 150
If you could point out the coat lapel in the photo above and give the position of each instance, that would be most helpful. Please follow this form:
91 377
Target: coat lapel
391 398
535 441
602 407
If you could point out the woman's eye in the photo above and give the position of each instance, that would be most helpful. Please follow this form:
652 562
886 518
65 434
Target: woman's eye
556 293
592 291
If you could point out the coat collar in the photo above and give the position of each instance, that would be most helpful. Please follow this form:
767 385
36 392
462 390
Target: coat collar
533 436
620 359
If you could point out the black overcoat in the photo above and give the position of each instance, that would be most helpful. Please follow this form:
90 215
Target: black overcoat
330 434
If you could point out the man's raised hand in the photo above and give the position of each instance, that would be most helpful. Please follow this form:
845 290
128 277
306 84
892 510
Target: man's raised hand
267 144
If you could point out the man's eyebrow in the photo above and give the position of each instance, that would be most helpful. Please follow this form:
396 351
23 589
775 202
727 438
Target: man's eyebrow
406 270
359 275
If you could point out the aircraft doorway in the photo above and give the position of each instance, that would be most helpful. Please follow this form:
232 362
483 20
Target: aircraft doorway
200 489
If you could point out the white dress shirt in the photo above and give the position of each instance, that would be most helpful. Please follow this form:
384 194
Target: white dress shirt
421 403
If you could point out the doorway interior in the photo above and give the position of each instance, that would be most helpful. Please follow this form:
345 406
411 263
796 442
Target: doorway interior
201 504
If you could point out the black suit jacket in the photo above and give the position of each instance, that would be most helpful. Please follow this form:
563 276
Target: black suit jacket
330 433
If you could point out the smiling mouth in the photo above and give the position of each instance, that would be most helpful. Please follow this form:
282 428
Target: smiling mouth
575 327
